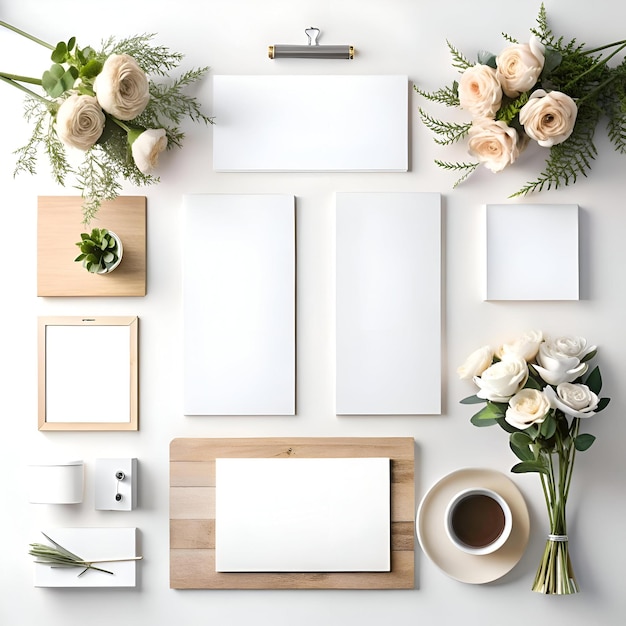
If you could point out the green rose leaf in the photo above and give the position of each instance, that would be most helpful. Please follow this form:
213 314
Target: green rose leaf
594 380
506 426
481 421
91 69
583 442
472 400
548 427
529 466
602 404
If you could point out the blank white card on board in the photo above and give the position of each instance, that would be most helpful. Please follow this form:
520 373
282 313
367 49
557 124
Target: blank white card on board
302 515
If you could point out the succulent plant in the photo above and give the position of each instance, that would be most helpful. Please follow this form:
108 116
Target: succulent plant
99 250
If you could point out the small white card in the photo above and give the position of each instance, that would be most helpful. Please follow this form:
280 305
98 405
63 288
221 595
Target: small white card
532 252
303 515
91 544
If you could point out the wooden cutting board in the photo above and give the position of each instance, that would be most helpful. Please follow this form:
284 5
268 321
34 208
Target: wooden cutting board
192 511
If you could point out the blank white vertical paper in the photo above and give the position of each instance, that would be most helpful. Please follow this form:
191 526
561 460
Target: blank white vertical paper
310 123
239 304
388 310
532 252
302 515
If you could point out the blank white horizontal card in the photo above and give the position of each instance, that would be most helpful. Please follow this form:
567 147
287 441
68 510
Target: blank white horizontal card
239 304
91 544
532 252
302 515
310 123
388 303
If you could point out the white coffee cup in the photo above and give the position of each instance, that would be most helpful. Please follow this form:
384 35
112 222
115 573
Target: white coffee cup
478 521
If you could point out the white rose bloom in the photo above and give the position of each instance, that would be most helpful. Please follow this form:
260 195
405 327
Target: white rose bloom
548 118
525 346
79 121
527 407
122 87
147 147
556 366
476 363
494 144
571 345
479 91
519 66
502 380
573 399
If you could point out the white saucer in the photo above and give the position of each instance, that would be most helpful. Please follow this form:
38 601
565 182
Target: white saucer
470 568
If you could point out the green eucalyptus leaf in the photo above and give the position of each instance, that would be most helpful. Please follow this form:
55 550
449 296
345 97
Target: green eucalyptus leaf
492 410
487 58
59 54
529 466
594 380
523 454
521 439
480 422
583 442
552 59
506 426
472 400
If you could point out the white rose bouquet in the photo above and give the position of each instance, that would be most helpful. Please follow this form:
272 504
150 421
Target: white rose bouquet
106 105
547 90
539 390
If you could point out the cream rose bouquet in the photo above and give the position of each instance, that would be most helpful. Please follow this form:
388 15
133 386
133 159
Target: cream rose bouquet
540 391
547 91
106 106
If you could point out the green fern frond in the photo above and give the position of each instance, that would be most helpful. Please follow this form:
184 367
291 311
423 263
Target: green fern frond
446 95
449 132
509 38
157 60
570 159
459 60
467 169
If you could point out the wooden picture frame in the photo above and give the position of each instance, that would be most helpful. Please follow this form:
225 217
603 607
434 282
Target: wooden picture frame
70 396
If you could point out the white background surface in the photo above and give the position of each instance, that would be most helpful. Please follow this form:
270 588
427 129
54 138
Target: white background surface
394 36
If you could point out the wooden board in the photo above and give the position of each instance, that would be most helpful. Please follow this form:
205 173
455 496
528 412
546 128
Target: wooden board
192 511
59 225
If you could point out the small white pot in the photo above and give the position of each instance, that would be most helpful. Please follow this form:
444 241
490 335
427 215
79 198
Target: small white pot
120 251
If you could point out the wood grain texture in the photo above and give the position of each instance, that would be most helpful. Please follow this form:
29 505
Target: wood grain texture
59 225
192 511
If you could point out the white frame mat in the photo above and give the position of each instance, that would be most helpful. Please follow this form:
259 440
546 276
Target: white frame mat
531 252
239 304
388 310
310 123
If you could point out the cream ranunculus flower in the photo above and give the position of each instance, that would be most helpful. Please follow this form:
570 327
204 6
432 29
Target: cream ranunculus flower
122 87
147 147
494 144
548 118
476 363
573 399
479 91
559 361
502 380
79 121
519 66
527 407
525 346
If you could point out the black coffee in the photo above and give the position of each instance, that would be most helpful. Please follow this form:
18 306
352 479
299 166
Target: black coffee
477 520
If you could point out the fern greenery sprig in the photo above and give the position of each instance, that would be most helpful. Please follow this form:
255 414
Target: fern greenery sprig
579 79
110 158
